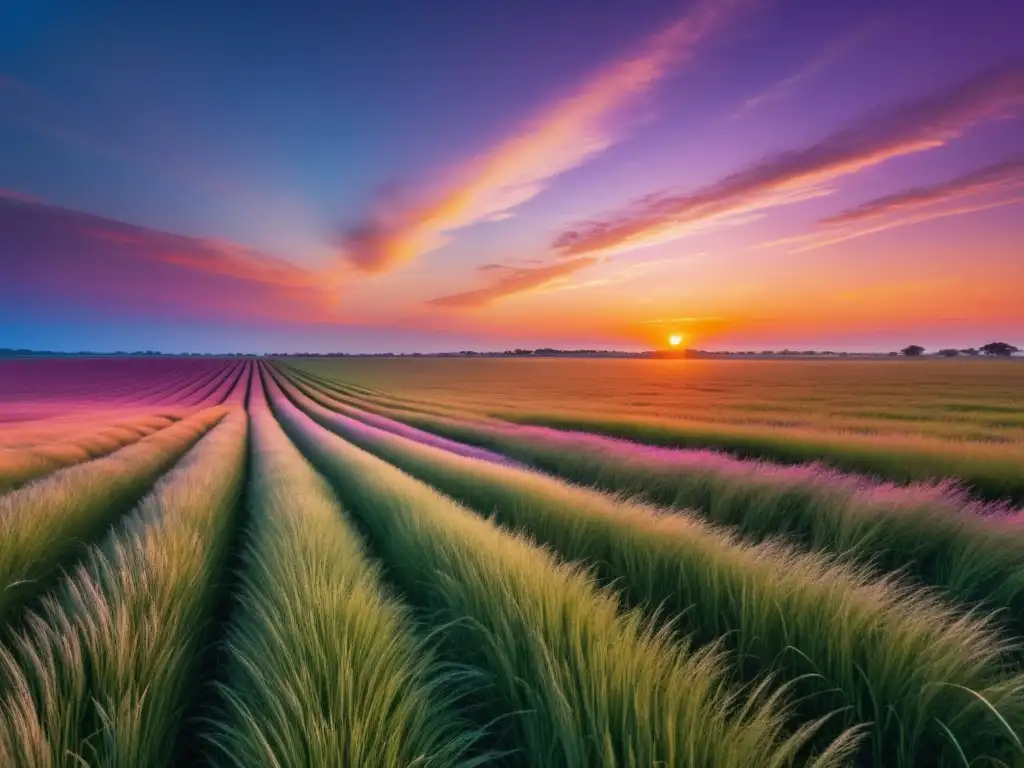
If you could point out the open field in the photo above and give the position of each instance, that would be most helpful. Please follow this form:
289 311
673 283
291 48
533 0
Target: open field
899 419
446 562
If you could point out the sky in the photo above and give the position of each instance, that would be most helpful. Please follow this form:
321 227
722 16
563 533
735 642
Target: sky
403 176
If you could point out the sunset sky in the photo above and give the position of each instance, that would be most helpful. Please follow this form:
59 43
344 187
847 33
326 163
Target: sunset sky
457 174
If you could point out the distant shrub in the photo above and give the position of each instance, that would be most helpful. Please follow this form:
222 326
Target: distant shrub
948 352
999 349
914 350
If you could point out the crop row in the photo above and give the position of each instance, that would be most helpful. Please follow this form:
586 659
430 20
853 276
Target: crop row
991 470
973 551
93 432
417 593
102 672
570 678
929 680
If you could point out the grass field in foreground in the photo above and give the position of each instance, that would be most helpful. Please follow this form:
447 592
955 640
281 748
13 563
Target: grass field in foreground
384 563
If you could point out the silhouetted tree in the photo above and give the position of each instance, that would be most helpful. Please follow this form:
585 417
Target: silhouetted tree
948 352
969 351
914 350
999 349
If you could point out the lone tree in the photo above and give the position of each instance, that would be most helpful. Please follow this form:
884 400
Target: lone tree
948 352
999 349
914 350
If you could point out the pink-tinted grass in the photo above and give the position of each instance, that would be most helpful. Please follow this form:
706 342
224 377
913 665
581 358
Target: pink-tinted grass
936 533
843 636
45 521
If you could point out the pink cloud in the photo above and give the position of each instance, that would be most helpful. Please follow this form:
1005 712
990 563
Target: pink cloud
794 176
570 132
54 256
1009 173
514 280
13 194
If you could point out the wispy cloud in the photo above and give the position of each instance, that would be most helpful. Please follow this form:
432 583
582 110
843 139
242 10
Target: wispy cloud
13 194
793 176
624 274
914 206
825 58
813 242
567 134
67 258
1007 174
677 320
514 280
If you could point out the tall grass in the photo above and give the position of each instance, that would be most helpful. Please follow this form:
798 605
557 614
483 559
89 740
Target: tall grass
100 675
576 682
21 464
988 470
44 522
323 667
992 470
931 682
934 533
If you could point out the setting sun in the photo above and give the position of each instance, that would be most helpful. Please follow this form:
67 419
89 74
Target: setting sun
675 339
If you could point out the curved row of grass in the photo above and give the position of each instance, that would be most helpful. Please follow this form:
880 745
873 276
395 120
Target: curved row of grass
934 534
323 667
216 389
45 522
932 683
100 676
572 680
22 464
990 471
198 385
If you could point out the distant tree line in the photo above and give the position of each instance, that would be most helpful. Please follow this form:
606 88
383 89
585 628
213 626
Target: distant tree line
992 349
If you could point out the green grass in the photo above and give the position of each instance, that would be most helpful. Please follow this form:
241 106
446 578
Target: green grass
914 668
47 521
101 675
578 682
940 541
324 668
892 418
988 470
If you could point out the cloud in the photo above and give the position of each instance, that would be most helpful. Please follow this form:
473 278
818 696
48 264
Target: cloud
516 280
818 241
1008 173
796 175
54 257
13 194
570 132
825 58
913 206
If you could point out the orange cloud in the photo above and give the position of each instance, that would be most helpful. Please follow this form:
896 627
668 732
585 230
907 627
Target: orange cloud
516 280
792 176
564 136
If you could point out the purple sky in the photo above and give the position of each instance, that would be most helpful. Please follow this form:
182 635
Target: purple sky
408 176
